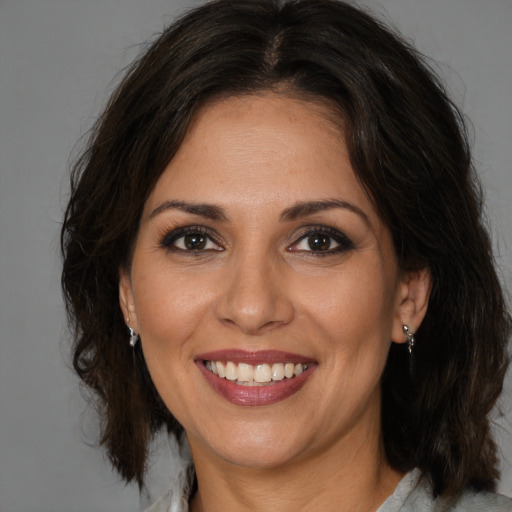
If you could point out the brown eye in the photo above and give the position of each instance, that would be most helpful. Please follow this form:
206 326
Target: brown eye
319 242
322 241
195 242
191 239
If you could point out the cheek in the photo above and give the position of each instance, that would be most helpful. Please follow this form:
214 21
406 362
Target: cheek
353 318
170 306
354 303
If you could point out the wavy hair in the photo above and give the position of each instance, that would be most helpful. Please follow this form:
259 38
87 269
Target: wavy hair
409 149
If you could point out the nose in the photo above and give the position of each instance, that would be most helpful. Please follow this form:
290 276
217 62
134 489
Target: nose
254 296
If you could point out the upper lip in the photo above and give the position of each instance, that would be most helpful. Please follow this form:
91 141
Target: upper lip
254 357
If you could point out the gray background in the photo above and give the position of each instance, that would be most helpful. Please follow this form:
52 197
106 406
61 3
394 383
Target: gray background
58 59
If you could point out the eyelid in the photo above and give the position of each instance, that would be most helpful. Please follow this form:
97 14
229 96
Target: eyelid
172 235
343 241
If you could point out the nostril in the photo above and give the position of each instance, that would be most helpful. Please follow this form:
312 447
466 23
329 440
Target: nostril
253 299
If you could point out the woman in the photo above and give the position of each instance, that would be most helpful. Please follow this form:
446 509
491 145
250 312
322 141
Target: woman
274 249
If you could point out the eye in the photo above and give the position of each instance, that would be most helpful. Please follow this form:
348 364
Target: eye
322 241
190 239
317 242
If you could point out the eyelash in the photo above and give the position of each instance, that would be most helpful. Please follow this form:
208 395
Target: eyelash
169 240
344 243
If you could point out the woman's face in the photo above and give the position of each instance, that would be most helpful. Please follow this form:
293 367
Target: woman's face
260 257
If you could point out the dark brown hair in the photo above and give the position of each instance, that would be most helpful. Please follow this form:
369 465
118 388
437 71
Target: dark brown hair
409 149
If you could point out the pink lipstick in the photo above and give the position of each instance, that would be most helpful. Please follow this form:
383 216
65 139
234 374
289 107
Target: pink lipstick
255 378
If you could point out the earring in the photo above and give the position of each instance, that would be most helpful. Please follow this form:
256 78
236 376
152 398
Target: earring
410 337
134 337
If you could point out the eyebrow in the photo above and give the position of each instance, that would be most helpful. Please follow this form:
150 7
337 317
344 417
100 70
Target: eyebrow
208 211
306 208
296 211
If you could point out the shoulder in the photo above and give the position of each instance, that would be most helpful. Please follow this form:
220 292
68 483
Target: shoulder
414 494
471 501
176 497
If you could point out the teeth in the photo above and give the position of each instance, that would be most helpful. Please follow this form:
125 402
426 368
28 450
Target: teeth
231 371
257 375
277 371
245 372
262 373
221 372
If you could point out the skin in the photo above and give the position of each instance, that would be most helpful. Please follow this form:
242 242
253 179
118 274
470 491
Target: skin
258 285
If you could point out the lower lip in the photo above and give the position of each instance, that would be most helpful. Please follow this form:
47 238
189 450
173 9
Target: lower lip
255 395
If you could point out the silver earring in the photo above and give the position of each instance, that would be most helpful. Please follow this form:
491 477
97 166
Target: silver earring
134 337
410 337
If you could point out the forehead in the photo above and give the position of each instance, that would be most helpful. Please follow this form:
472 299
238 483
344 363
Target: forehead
249 149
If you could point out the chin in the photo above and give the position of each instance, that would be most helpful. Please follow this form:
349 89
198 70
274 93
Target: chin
258 459
261 449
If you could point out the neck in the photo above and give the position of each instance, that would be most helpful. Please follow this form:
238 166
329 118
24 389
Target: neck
352 475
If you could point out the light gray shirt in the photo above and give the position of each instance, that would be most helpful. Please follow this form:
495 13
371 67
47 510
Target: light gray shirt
412 494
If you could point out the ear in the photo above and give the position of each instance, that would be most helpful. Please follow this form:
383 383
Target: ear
126 300
411 302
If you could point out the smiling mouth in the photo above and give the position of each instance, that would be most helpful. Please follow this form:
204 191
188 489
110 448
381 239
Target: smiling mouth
257 375
255 378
